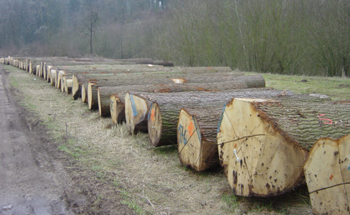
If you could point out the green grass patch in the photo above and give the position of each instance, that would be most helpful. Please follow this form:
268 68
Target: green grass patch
231 200
131 203
335 87
166 150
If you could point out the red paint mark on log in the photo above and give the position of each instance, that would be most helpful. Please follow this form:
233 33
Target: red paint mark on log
152 115
325 120
330 178
190 127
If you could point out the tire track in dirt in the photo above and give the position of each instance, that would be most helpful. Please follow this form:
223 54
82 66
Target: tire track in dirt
28 183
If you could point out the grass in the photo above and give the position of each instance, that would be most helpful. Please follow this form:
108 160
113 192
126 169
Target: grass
335 87
127 200
231 200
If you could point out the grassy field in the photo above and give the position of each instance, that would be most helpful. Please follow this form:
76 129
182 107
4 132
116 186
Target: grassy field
335 87
114 169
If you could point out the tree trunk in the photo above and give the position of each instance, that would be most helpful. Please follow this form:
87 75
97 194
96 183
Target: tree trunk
328 177
263 143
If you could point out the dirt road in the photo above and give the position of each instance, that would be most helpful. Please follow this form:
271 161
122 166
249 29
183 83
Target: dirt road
30 182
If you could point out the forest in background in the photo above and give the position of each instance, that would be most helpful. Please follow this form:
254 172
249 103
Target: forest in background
310 37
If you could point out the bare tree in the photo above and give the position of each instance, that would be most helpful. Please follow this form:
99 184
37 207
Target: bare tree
90 24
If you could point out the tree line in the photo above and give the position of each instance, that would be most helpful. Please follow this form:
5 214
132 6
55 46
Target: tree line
309 37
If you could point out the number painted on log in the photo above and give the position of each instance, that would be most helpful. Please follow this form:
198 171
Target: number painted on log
182 132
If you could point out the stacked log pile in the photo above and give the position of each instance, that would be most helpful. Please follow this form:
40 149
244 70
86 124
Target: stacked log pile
265 139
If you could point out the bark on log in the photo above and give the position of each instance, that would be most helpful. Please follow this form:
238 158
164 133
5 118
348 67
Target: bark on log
263 143
109 105
327 173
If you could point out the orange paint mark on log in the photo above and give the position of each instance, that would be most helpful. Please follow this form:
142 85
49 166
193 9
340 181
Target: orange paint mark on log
164 90
190 127
330 178
200 89
235 145
152 115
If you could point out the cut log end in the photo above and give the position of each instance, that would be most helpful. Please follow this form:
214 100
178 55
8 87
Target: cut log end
136 111
117 109
83 94
92 100
194 151
327 174
258 160
154 125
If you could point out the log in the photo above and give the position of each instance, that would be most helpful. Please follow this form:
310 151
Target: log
66 84
84 97
48 74
136 110
109 102
52 77
160 78
104 93
58 78
263 143
117 108
163 63
327 174
171 103
190 74
194 150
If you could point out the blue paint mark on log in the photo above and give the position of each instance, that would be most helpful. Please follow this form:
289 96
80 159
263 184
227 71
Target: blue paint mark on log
149 112
133 107
182 135
348 167
222 115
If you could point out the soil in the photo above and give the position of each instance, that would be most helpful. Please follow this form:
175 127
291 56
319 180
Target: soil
58 157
